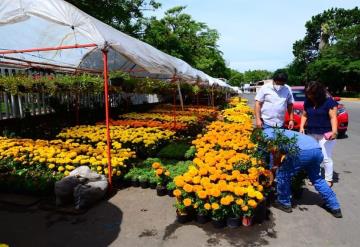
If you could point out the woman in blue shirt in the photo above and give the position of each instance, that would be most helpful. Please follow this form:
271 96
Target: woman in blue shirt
320 119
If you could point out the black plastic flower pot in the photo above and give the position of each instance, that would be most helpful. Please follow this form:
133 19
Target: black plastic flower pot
153 185
218 223
135 183
261 213
202 218
170 193
182 218
233 222
144 184
161 190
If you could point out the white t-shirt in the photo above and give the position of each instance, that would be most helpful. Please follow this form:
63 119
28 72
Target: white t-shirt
274 103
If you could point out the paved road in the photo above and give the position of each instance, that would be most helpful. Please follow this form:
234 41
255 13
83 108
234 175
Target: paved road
137 217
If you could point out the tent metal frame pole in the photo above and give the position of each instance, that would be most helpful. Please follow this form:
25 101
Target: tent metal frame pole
106 98
65 47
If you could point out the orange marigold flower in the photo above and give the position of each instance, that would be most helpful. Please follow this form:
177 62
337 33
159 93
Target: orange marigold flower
159 171
239 202
244 208
224 201
215 206
156 165
188 188
202 194
215 192
187 202
177 192
252 203
179 181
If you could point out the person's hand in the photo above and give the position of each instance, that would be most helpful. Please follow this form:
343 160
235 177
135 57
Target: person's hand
259 123
333 135
302 130
291 124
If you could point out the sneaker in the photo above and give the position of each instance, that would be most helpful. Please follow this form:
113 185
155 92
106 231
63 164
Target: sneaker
282 207
335 212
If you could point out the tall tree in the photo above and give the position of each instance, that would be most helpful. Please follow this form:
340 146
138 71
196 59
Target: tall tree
323 30
339 64
236 78
178 34
256 75
124 15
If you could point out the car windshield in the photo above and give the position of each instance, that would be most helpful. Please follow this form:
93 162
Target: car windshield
299 95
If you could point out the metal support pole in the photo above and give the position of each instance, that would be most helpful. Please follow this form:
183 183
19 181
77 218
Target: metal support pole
106 94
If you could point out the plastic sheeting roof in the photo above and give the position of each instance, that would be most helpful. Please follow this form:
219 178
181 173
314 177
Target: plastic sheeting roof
26 24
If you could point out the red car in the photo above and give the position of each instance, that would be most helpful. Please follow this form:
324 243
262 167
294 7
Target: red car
299 97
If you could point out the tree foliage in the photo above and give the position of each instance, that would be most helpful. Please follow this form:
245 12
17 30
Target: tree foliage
179 35
256 75
330 50
124 15
236 78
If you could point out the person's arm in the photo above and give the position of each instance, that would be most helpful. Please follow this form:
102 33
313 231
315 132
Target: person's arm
291 115
303 122
334 122
258 105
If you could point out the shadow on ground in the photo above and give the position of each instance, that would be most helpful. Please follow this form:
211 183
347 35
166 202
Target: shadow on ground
255 235
33 226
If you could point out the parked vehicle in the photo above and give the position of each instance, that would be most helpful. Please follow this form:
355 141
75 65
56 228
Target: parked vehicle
299 97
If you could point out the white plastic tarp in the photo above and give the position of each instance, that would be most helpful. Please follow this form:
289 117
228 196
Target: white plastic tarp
26 24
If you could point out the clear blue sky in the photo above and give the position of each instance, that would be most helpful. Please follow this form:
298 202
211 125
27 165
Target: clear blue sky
256 34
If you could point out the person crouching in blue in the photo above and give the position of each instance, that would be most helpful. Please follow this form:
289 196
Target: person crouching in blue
308 158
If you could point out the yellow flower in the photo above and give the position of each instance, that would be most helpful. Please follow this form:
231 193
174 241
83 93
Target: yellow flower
215 206
179 181
187 202
99 168
239 202
215 192
202 194
66 173
244 208
224 201
239 191
118 173
252 203
188 188
167 173
259 196
61 168
177 192
51 166
207 206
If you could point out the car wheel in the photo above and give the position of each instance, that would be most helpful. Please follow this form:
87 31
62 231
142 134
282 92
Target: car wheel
341 134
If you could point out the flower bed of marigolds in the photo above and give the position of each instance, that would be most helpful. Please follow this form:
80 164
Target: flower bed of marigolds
211 167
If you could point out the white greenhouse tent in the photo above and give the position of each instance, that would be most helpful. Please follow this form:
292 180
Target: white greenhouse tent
55 33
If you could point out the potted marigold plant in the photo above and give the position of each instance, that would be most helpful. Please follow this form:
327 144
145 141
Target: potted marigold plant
164 177
218 215
233 219
182 208
202 209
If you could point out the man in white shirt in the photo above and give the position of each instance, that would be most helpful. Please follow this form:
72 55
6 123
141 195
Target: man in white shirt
271 102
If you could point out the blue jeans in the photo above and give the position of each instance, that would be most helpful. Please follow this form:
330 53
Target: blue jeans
309 160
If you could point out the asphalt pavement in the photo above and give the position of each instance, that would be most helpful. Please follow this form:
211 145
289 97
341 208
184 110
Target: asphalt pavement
137 217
